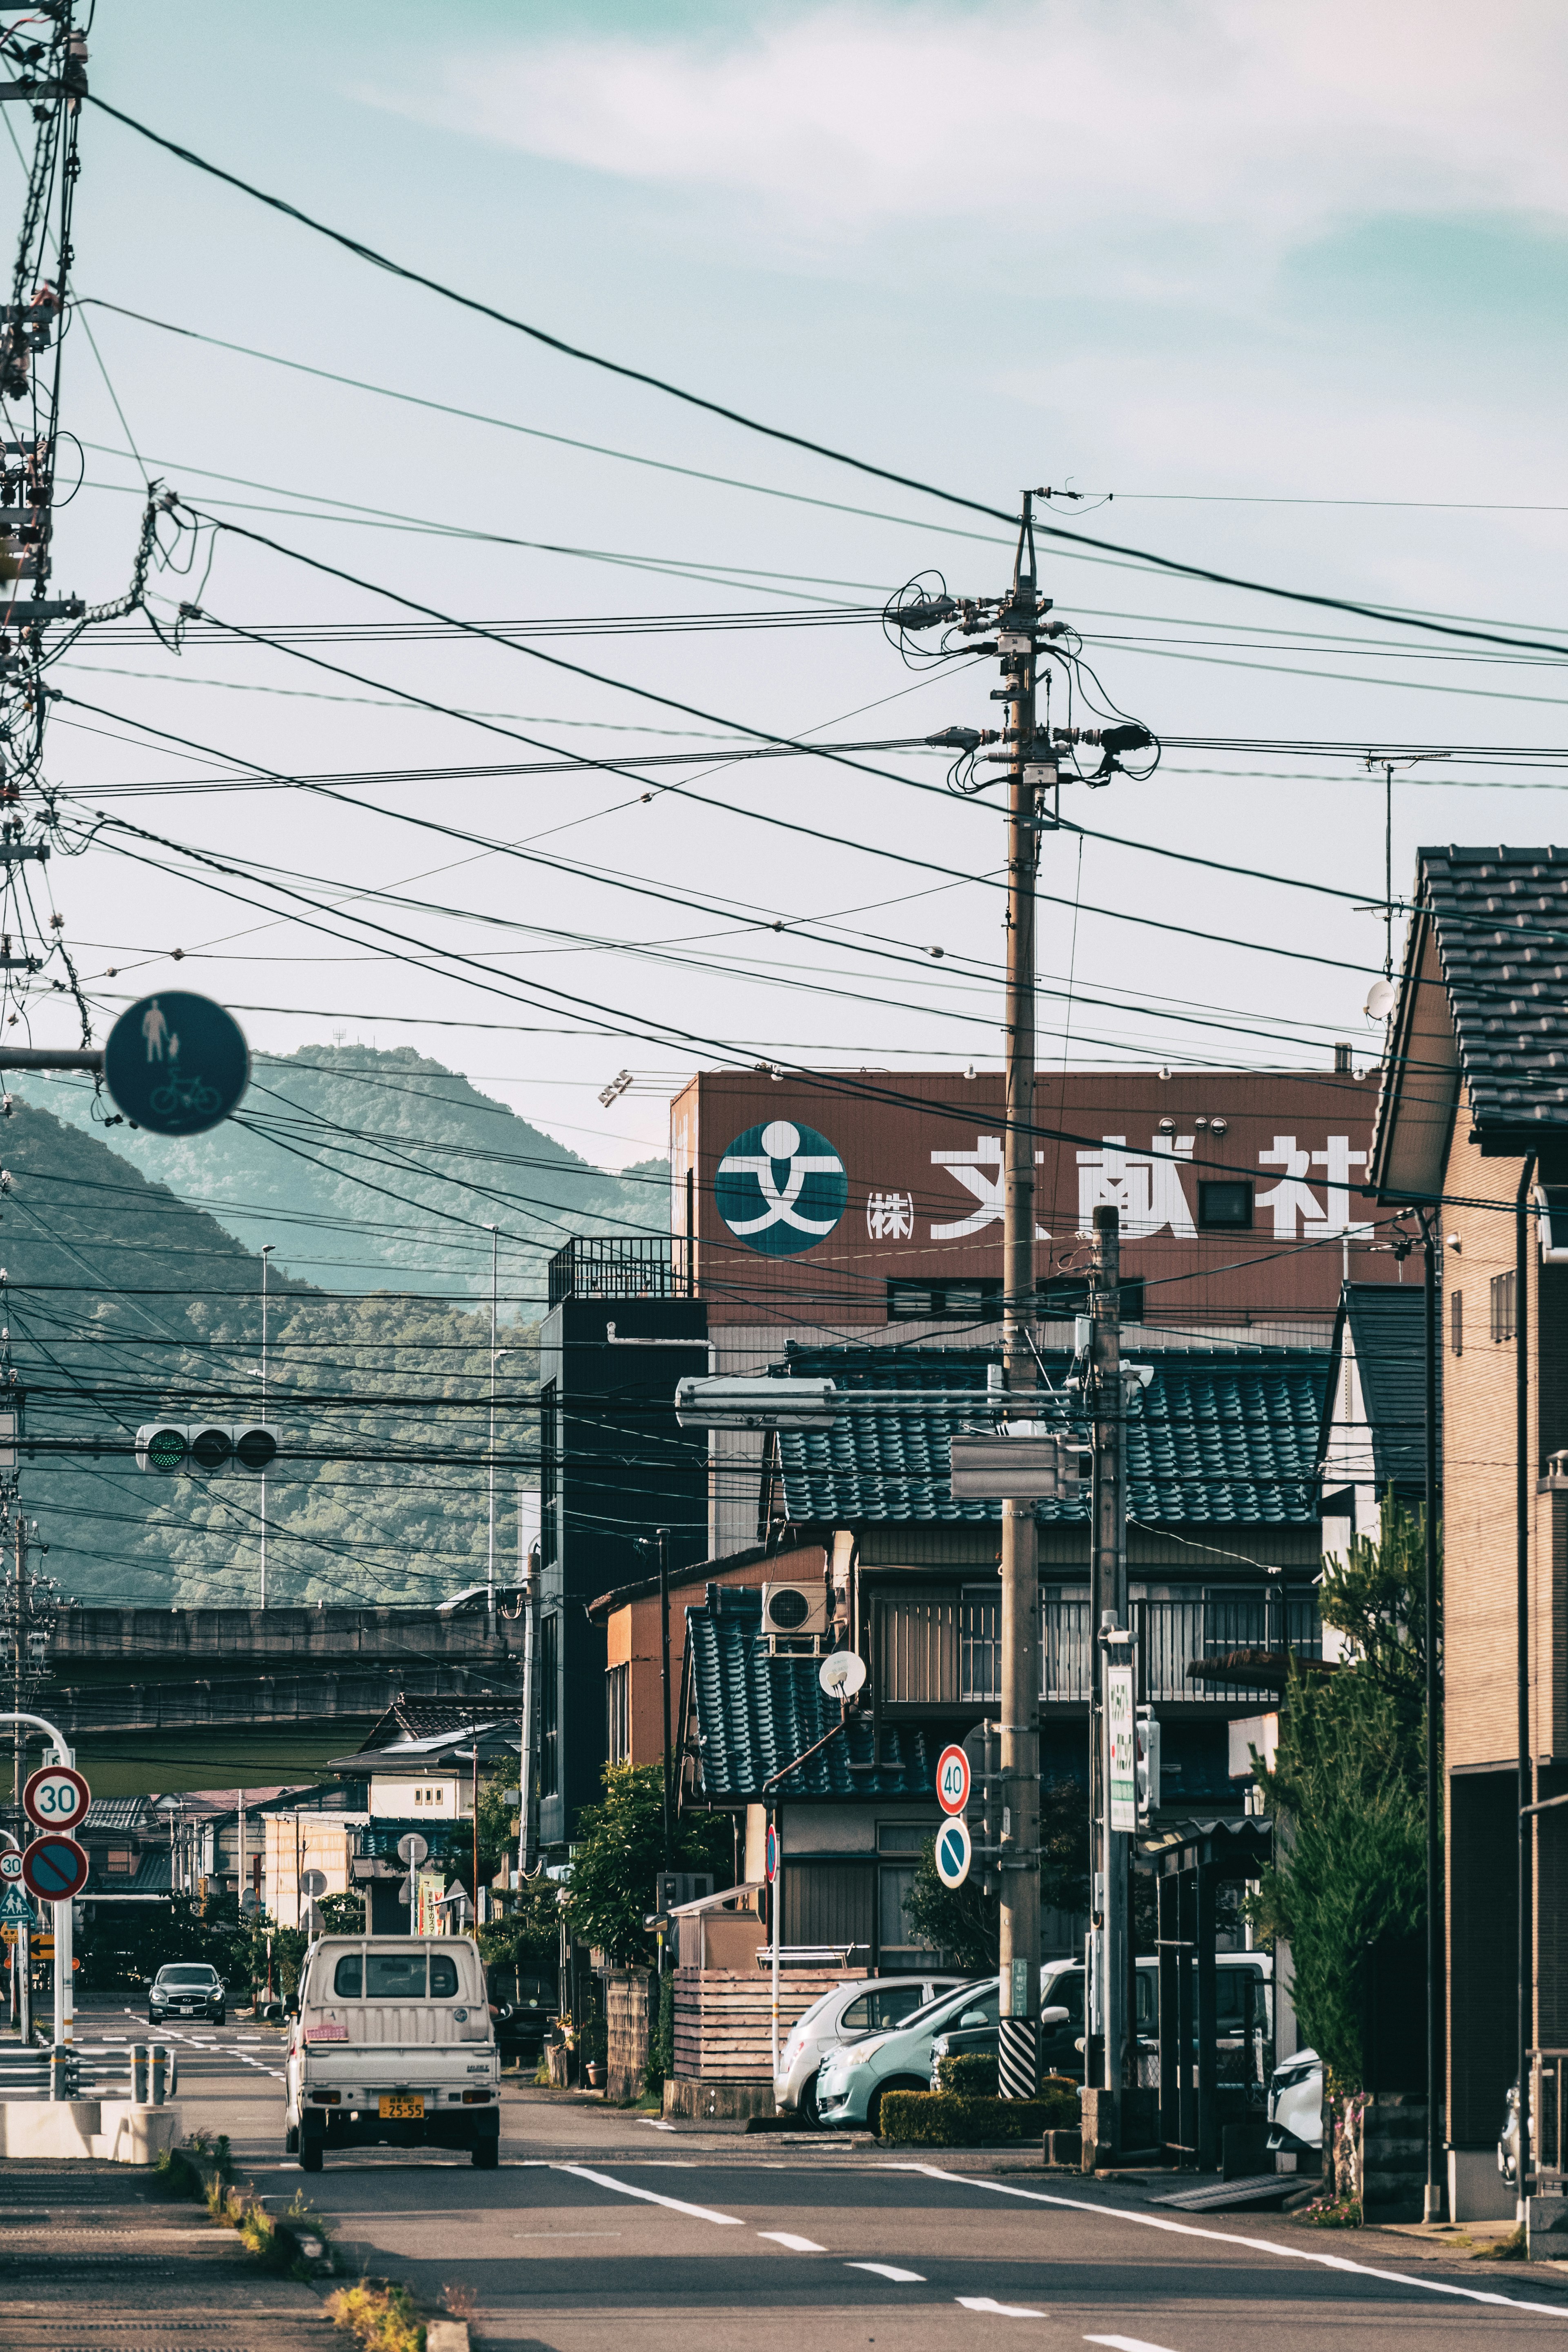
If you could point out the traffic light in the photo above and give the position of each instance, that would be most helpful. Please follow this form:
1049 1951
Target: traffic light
205 1447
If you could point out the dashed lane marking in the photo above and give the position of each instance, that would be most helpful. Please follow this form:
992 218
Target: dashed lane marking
787 2239
650 2196
889 2271
999 2310
1127 2344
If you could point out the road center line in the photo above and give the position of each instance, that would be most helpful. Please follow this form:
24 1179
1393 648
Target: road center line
1127 2344
795 2246
889 2271
650 2196
999 2310
1230 2238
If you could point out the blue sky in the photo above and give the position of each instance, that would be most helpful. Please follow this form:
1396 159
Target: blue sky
1223 262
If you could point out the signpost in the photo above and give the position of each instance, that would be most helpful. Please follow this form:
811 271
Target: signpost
953 1852
952 1780
56 1798
176 1064
1120 1760
412 1850
54 1868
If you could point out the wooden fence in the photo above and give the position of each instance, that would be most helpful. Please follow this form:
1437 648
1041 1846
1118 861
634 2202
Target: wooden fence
627 1994
723 2017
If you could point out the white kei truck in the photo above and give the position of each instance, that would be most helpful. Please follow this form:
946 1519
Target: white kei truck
391 2044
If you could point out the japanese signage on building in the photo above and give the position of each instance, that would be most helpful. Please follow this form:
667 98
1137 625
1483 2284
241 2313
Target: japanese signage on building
870 1195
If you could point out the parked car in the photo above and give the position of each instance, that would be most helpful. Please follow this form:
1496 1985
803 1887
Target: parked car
393 2042
187 1988
1062 2003
1296 2105
847 2014
853 2078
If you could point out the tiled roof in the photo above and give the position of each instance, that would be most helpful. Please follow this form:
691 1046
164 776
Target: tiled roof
122 1813
439 1718
1500 921
755 1713
1219 1437
1388 1330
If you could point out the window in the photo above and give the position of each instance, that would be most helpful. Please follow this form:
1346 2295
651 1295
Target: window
348 1979
873 2012
980 1645
900 1837
549 1706
1505 1322
1225 1207
395 1976
549 1472
1456 1323
117 1860
618 1706
897 1942
443 1975
1065 1294
929 1302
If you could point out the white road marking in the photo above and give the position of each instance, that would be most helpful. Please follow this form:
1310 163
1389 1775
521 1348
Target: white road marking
536 2233
650 2196
1000 2310
889 2271
1127 2344
795 2246
654 2123
1233 2237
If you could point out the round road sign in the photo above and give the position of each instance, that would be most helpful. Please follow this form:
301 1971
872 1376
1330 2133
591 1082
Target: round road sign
315 1882
54 1867
55 1798
176 1064
770 1853
412 1848
10 1869
953 1853
952 1779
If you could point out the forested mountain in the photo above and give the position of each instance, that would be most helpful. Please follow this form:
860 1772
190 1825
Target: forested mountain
360 1165
125 1303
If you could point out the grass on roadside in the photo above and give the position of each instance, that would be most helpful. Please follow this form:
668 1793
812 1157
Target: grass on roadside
379 2318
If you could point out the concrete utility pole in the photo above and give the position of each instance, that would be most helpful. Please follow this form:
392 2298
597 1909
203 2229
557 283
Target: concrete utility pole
1107 1614
1018 2066
490 1544
267 1250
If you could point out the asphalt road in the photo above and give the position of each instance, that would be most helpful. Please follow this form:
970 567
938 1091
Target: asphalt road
598 2222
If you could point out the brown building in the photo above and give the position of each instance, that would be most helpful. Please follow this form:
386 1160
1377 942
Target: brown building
1474 1115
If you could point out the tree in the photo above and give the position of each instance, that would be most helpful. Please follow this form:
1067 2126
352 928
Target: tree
1348 1780
528 1939
620 1852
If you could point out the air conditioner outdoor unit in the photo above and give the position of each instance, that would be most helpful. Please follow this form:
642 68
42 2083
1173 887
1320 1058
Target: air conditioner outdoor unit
795 1611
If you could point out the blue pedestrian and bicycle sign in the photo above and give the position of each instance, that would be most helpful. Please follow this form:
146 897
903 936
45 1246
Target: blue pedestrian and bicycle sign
176 1064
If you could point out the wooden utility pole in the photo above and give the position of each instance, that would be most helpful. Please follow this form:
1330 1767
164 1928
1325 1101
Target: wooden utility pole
1107 1614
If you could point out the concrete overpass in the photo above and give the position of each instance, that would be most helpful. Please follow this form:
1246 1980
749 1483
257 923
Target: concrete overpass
218 1698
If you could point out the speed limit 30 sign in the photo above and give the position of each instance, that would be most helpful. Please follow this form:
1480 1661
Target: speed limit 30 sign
55 1798
952 1779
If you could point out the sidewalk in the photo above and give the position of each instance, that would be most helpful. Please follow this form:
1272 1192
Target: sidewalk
90 2251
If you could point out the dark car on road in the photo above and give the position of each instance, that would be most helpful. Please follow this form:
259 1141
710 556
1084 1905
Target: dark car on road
187 1988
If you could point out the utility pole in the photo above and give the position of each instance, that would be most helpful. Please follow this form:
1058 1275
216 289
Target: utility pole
1433 2200
1019 1948
1108 1616
267 1250
663 1538
491 1551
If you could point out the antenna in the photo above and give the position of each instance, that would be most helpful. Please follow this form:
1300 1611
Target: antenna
842 1673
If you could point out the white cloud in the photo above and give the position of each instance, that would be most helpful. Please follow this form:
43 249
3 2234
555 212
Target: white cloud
1265 124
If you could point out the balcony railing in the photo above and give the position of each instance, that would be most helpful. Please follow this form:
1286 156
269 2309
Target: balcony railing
922 1663
618 1265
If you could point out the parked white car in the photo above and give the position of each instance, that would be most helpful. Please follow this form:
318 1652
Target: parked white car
1296 2105
393 2042
846 2014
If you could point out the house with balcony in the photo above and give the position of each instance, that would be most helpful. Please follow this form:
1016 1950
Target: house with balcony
1224 1546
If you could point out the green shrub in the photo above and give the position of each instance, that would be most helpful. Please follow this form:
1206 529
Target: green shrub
969 2074
944 2119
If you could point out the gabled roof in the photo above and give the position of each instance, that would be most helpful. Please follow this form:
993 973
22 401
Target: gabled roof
425 1723
1219 1437
1483 1001
755 1713
124 1814
1384 1323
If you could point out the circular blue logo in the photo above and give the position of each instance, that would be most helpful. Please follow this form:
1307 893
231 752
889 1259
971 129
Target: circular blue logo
781 1187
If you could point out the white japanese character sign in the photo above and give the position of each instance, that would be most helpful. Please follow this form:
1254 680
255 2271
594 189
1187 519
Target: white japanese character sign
980 1172
1292 1199
1146 1187
891 1216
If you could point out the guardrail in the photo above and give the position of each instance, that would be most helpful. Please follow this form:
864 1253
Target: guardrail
145 2072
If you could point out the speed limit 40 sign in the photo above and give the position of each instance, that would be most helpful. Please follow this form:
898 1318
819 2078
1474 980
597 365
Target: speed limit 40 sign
952 1779
55 1798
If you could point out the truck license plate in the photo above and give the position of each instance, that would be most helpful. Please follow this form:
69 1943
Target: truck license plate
401 2107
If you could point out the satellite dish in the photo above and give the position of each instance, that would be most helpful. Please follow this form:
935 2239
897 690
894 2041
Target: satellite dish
1381 1000
842 1673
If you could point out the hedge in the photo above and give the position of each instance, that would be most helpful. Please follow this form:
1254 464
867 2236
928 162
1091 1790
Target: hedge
971 2075
947 2119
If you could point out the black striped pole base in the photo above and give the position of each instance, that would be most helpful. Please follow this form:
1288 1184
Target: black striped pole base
1018 2063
